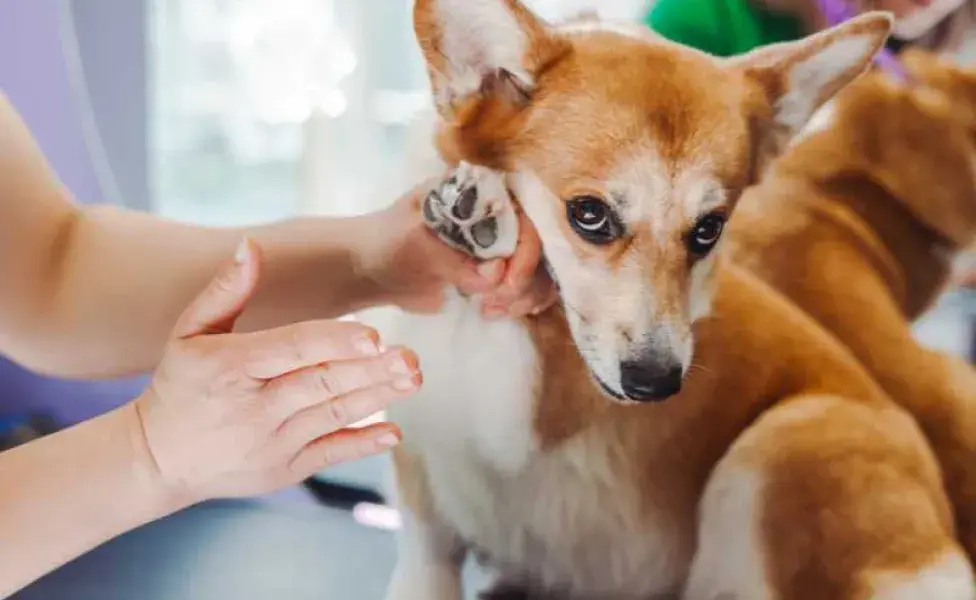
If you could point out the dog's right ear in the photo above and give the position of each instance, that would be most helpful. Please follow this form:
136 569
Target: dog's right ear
492 49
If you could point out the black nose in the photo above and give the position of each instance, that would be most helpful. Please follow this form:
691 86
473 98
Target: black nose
647 382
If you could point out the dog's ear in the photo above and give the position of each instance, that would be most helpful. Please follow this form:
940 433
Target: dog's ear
796 79
490 48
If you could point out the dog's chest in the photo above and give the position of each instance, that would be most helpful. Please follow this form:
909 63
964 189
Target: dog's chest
566 522
565 517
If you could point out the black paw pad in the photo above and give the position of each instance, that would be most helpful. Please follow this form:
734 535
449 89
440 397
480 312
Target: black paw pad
485 233
464 206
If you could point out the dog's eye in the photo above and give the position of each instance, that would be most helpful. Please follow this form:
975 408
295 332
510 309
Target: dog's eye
706 233
593 220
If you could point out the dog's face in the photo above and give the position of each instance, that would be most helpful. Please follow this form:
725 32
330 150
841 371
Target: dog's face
628 154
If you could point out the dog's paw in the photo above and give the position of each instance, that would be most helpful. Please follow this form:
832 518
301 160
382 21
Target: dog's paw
473 212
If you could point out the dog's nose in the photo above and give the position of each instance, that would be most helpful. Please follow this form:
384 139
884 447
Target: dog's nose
648 382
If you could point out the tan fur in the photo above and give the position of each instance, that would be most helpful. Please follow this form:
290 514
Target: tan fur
848 499
858 226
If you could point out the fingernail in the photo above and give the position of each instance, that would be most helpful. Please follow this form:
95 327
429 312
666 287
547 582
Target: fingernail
398 366
388 440
242 253
490 270
364 344
404 384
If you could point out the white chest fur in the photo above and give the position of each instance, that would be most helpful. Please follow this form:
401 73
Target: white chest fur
563 516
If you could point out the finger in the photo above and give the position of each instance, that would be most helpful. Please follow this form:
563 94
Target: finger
293 392
344 446
223 300
540 296
521 269
332 415
523 264
275 352
457 268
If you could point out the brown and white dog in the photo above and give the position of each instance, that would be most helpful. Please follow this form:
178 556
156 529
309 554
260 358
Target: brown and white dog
674 426
860 224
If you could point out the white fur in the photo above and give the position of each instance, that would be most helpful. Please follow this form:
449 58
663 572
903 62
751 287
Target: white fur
479 376
808 78
730 561
428 566
479 36
822 120
950 578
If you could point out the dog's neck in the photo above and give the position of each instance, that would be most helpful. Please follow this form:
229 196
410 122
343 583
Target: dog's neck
569 398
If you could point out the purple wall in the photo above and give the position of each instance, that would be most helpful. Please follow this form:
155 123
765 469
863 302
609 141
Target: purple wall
34 77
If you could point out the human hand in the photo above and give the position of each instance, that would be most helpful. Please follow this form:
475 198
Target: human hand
230 414
413 266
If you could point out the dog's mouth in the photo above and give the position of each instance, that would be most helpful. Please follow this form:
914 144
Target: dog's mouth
624 398
609 390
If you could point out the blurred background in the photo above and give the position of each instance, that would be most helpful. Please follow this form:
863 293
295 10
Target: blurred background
233 112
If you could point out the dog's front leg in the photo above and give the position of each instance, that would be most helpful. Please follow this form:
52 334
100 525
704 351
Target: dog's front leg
429 553
428 563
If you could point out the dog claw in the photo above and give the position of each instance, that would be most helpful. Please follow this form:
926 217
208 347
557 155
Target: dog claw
471 211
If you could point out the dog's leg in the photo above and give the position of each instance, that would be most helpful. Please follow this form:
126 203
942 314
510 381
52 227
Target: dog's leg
473 212
429 553
828 498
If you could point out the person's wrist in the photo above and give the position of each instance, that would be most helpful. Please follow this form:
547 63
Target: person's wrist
371 256
163 496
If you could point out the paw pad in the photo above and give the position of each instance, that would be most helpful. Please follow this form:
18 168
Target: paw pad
472 211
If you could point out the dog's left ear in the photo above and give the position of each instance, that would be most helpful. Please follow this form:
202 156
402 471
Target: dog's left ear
796 79
488 48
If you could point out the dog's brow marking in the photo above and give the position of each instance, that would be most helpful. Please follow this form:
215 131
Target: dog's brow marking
664 201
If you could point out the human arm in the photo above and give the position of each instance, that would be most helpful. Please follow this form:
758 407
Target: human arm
69 492
225 415
94 291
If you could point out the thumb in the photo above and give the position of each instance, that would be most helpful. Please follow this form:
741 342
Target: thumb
219 305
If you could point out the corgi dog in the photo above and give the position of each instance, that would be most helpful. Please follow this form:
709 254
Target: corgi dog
673 427
860 224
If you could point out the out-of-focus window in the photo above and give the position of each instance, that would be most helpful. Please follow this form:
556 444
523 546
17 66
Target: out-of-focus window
263 109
